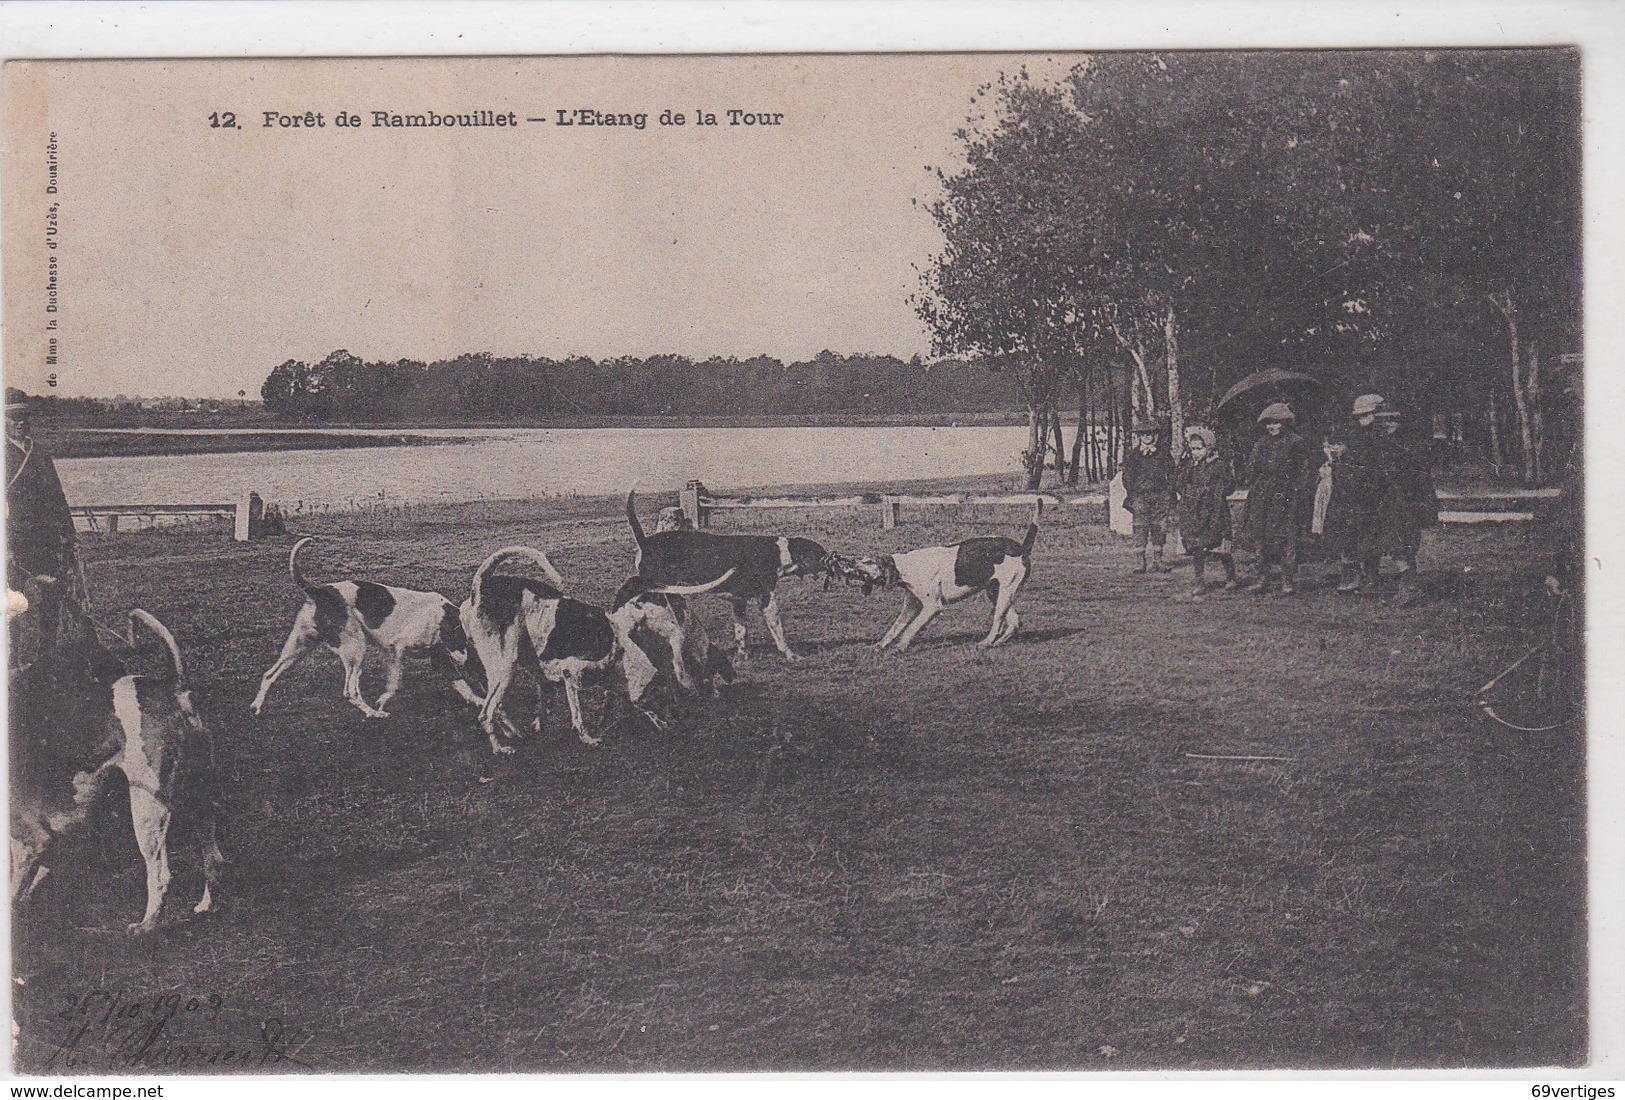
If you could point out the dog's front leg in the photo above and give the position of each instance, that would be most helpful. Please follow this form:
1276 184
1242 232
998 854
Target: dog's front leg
999 596
928 612
775 626
676 640
392 682
543 691
572 694
1012 623
151 820
911 608
299 642
213 861
740 607
468 695
639 673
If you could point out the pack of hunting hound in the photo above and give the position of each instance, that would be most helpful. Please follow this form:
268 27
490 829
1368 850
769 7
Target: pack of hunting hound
77 703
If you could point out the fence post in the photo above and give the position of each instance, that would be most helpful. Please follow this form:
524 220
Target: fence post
890 512
245 510
112 524
690 498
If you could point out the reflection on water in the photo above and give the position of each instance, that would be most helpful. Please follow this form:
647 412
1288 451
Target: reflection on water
537 462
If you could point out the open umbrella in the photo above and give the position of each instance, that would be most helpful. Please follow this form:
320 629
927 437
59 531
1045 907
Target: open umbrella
1259 389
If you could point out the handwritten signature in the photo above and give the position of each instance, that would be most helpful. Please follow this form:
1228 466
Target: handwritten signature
111 1030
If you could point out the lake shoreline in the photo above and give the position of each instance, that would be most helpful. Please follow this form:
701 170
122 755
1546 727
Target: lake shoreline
84 441
141 443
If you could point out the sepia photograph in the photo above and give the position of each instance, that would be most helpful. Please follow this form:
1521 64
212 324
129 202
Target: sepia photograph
914 562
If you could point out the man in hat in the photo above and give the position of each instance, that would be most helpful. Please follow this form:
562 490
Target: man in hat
42 559
1278 472
1148 485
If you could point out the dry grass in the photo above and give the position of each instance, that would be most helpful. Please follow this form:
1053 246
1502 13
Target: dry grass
947 859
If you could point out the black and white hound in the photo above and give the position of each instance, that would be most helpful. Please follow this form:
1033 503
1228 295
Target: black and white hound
511 621
936 576
756 564
350 616
697 663
72 727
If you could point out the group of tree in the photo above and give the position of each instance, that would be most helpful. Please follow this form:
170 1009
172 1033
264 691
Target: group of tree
1141 233
483 387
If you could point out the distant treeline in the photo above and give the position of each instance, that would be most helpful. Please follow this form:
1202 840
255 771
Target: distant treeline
481 387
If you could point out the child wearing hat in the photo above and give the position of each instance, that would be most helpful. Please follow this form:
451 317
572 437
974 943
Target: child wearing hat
1277 485
1148 485
1205 485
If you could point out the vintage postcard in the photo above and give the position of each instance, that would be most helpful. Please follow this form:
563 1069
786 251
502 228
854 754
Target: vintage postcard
925 562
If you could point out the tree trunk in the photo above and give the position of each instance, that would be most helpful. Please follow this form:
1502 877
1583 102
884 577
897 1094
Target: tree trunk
1059 442
1537 418
1142 401
1097 444
1526 437
1032 459
1125 426
1091 455
1494 418
1081 430
1111 435
1176 408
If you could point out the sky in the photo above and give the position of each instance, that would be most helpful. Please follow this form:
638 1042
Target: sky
193 258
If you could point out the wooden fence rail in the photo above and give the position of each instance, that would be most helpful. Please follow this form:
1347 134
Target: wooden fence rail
246 514
698 504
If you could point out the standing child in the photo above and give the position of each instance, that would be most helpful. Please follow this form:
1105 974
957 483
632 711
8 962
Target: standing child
1148 485
1205 485
1277 487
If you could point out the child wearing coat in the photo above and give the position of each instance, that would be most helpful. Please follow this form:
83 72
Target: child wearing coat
1277 491
1205 485
1148 481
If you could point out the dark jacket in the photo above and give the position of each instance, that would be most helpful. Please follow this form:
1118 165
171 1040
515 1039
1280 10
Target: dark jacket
1416 504
41 554
1363 478
1278 489
1382 496
1204 505
1148 483
39 536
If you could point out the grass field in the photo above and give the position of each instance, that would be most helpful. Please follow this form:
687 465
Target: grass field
940 860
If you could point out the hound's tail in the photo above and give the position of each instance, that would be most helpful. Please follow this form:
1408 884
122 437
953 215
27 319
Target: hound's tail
1032 537
692 589
293 567
640 586
510 552
632 518
151 623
